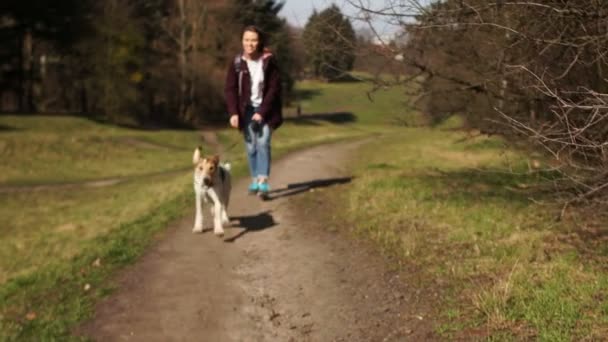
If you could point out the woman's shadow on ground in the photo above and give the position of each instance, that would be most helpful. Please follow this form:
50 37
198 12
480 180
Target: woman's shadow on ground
264 220
296 188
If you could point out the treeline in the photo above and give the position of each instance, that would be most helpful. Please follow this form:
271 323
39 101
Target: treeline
130 61
535 72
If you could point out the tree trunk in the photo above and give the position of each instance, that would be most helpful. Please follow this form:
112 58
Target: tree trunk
83 98
182 61
192 93
26 101
199 26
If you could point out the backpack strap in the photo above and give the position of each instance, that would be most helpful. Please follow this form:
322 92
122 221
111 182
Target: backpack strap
237 68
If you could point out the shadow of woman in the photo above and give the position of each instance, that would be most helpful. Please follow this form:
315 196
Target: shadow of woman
296 188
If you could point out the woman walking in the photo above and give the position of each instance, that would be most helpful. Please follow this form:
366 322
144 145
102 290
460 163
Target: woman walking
253 98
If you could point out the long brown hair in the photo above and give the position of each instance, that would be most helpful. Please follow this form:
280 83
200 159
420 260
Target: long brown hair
261 36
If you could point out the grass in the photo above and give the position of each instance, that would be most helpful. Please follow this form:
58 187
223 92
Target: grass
462 211
369 108
43 226
50 238
61 149
45 303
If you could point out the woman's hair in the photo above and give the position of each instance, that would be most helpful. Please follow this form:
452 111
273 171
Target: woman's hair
261 36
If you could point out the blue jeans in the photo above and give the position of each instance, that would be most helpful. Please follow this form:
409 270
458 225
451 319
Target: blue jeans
258 146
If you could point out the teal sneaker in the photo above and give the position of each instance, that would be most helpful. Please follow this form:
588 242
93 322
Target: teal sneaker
263 190
253 188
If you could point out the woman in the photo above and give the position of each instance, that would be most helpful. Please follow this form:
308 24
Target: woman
253 98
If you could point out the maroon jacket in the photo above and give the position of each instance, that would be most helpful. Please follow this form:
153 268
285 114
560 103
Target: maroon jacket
271 108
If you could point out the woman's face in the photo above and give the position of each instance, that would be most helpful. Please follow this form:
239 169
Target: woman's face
251 40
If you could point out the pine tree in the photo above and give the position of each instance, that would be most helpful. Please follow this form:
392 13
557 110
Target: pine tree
330 42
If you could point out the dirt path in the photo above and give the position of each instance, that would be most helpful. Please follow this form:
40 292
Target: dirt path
276 276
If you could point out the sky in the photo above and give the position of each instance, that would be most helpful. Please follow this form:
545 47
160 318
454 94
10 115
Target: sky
297 12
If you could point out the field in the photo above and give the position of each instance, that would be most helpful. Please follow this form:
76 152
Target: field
80 199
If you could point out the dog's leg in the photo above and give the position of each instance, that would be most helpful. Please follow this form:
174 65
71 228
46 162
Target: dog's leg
225 219
198 219
226 195
217 215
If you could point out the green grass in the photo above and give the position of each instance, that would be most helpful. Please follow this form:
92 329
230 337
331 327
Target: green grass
43 226
461 210
61 149
45 303
384 106
50 238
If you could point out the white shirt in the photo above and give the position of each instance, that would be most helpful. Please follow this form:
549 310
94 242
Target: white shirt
256 73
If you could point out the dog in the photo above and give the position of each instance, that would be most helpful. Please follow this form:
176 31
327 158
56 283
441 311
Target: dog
211 181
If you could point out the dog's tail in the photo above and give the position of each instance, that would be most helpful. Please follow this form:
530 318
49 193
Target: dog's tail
227 166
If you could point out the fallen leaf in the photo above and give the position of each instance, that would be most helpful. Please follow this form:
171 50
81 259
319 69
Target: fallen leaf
30 316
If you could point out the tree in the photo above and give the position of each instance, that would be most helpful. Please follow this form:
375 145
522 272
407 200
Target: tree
507 72
25 26
330 43
110 62
129 61
186 28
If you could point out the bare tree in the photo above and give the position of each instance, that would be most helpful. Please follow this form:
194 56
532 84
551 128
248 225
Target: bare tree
512 73
186 29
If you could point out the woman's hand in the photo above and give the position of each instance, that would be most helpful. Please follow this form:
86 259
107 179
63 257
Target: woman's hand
234 120
257 117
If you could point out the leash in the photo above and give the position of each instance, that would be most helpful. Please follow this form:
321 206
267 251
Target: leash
256 130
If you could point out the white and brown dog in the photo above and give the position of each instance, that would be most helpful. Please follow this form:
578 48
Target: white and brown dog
211 180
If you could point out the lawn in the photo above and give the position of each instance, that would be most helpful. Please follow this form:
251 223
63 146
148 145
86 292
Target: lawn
61 149
50 237
355 102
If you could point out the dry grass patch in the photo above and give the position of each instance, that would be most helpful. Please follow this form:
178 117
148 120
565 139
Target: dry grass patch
462 212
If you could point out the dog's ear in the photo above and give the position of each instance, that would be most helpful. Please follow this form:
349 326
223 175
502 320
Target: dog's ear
196 157
216 159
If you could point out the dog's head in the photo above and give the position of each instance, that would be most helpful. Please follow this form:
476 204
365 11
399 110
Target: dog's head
205 167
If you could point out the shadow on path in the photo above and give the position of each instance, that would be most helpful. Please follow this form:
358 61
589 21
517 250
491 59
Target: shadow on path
254 223
296 188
